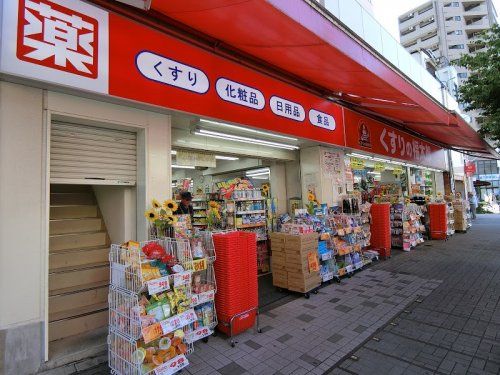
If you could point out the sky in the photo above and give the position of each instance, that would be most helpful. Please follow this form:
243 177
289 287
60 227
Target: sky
388 11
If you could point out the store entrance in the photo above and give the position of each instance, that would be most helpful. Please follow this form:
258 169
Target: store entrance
237 179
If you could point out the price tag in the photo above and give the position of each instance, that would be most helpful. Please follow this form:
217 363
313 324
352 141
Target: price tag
199 264
172 366
327 256
171 324
198 334
182 278
158 285
328 276
195 298
152 332
187 317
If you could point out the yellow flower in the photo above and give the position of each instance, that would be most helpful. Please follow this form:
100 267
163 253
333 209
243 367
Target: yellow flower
171 219
151 215
155 204
213 204
407 200
311 197
170 204
265 189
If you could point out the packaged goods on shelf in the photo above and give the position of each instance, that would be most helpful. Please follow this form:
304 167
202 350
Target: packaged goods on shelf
406 225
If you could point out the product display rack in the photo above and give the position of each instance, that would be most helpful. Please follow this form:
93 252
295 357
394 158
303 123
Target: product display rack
406 226
142 338
249 211
450 215
351 236
462 216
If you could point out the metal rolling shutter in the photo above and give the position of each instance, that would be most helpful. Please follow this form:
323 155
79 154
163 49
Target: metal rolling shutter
90 155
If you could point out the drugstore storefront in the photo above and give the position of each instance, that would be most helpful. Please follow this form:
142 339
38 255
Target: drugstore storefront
102 110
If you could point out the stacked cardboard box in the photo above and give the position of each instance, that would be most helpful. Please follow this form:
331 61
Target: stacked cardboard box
278 260
290 261
460 215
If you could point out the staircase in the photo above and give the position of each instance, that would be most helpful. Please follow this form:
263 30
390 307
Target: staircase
78 264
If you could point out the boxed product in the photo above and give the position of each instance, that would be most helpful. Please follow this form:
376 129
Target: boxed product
280 278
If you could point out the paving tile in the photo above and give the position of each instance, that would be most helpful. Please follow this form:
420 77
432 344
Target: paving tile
369 304
252 344
334 300
305 318
284 338
343 308
360 329
335 337
308 306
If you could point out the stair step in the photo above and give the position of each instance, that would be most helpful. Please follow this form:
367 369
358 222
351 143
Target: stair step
83 198
79 267
77 325
77 241
65 188
72 211
86 309
79 288
65 226
78 258
72 281
62 304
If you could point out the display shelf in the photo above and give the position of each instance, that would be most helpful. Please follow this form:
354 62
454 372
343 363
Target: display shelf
248 199
406 225
247 226
250 212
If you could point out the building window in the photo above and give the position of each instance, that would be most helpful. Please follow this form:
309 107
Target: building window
425 9
458 18
459 32
462 75
455 4
457 46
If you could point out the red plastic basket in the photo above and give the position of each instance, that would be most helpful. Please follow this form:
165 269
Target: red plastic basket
236 276
380 226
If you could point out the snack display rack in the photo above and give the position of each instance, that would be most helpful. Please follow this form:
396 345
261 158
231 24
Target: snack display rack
406 225
450 216
158 309
351 236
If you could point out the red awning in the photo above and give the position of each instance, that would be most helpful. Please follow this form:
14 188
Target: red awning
296 38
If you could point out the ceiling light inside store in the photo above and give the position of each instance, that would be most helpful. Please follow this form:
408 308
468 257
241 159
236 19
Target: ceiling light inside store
248 130
237 138
183 166
257 171
360 156
218 157
259 177
222 157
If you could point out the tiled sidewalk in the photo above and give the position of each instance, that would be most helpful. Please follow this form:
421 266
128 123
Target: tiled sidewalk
455 329
310 336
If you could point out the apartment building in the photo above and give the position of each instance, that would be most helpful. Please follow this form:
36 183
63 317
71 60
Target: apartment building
447 29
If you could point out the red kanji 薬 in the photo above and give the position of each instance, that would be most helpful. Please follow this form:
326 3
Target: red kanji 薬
57 37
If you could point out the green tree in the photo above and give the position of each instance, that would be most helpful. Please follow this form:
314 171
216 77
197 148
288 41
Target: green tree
481 91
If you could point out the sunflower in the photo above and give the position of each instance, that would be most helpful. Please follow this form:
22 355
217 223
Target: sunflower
155 204
213 204
265 189
151 215
170 204
407 200
171 219
311 197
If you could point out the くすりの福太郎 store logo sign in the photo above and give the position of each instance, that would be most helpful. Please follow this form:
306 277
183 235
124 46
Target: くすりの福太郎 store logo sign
58 41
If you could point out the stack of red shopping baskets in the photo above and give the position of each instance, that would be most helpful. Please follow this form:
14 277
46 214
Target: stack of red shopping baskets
438 221
237 297
380 228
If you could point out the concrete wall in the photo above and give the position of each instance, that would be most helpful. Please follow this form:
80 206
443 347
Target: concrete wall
22 228
24 202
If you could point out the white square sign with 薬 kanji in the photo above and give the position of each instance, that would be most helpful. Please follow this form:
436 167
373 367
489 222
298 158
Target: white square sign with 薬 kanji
58 41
